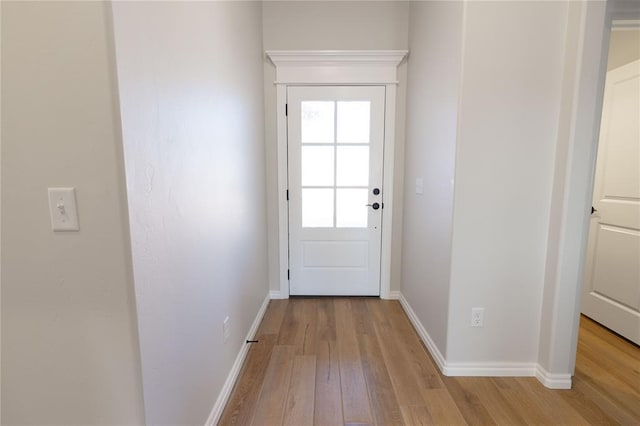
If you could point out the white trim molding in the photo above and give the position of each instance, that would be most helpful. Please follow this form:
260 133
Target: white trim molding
490 369
625 25
394 295
351 57
223 397
553 381
276 295
353 67
330 68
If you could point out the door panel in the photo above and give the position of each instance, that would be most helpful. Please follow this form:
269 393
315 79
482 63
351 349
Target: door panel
335 149
616 268
612 278
335 254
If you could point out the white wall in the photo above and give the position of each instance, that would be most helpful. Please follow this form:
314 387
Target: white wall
69 340
434 72
492 114
310 25
191 94
509 114
332 25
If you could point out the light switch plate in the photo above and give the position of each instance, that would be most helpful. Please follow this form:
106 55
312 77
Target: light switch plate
62 208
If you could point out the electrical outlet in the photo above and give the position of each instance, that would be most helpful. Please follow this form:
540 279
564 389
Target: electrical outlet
477 317
419 186
226 329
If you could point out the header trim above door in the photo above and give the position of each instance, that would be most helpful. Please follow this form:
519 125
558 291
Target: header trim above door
311 67
336 67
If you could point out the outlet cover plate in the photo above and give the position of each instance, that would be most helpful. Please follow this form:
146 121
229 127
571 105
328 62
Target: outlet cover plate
226 329
477 317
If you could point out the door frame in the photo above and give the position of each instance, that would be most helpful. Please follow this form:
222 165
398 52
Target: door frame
336 68
567 243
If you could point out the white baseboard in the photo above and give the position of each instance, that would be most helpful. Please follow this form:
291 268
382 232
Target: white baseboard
275 294
223 397
498 369
490 369
394 295
422 332
552 380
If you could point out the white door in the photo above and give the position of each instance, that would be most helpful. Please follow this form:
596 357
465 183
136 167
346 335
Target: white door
612 286
335 148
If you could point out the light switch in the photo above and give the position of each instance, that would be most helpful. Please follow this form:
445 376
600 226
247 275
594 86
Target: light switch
62 208
419 186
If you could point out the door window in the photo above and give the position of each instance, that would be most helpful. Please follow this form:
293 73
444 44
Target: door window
334 152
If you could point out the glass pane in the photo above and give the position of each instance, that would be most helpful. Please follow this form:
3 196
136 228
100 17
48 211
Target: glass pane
353 166
317 165
317 122
352 211
353 122
317 208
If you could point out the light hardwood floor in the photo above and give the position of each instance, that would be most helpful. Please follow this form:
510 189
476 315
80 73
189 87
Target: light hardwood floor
356 361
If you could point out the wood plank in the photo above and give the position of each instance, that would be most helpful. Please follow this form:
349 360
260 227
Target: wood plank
442 407
623 366
557 408
355 402
299 326
244 397
516 396
499 408
273 316
309 326
418 358
620 343
587 408
603 401
291 333
275 387
328 404
468 403
362 320
400 365
300 401
596 378
326 320
386 410
616 390
416 415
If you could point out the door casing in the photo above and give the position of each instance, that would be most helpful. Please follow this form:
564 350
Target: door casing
563 285
335 68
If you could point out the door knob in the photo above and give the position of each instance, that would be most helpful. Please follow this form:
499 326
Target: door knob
375 206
